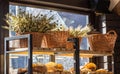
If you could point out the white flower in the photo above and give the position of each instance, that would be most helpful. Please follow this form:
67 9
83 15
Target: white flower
79 31
78 28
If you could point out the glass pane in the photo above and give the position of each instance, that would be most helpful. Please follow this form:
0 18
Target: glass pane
17 62
62 18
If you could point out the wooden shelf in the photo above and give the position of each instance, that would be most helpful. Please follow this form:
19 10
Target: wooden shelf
96 53
89 54
60 52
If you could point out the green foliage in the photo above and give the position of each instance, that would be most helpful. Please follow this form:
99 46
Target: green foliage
25 22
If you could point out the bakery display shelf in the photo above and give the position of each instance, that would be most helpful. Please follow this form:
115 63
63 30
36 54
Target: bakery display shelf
40 50
54 51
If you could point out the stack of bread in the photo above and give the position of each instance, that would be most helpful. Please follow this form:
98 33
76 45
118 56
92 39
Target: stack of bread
53 67
91 68
101 71
88 68
42 68
38 67
22 71
72 70
59 67
85 71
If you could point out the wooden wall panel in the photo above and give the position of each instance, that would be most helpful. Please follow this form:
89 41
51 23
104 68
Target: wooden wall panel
102 6
83 5
113 23
112 17
4 8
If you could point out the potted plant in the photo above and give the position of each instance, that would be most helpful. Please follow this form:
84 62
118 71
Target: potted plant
41 26
25 23
78 32
70 32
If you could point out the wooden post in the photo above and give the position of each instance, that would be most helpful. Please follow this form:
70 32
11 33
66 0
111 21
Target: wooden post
52 58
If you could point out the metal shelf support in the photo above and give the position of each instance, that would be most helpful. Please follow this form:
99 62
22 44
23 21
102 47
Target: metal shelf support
76 54
6 50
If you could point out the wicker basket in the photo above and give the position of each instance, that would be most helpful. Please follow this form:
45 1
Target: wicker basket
54 39
57 39
37 39
111 37
102 42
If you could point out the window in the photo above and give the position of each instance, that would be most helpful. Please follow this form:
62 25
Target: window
65 18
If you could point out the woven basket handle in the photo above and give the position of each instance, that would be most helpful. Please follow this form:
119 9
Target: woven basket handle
112 32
